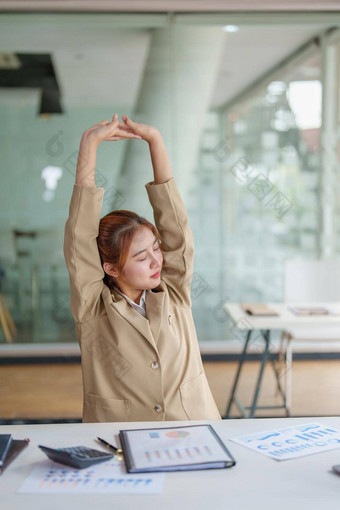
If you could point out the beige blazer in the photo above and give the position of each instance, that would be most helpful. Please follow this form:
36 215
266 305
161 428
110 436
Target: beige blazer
136 369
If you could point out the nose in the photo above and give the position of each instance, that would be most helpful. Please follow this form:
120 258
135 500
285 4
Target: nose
155 261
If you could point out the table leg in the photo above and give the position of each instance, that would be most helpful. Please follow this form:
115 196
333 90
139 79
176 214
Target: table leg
242 359
266 336
281 391
289 361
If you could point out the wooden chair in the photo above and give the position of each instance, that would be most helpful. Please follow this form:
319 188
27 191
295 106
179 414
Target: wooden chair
6 321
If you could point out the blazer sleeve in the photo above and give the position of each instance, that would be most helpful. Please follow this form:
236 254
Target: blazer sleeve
81 251
172 223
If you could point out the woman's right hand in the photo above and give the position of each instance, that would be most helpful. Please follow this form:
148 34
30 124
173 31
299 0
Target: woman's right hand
109 131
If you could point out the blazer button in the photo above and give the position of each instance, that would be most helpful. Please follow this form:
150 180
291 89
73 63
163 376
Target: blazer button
158 408
154 365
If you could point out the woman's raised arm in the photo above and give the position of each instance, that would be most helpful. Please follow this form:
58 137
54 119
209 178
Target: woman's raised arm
82 227
170 216
159 157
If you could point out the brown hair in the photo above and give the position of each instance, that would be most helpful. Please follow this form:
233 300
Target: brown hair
116 231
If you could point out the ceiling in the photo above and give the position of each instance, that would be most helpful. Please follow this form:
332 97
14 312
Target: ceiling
251 52
95 60
171 5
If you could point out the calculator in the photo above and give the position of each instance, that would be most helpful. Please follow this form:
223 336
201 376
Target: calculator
76 456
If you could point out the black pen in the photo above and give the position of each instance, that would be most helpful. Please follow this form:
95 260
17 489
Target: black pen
117 451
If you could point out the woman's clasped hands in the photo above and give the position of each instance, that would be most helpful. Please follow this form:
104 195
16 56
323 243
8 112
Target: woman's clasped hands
106 131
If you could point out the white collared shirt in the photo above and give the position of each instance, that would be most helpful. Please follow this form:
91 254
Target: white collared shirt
141 307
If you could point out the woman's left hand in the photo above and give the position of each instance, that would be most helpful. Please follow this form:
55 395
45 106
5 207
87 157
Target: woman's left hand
148 133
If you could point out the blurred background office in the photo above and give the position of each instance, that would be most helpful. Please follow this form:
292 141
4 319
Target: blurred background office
247 99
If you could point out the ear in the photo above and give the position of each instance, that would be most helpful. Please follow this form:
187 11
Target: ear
110 269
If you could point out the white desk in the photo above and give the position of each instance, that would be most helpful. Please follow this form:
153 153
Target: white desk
262 327
256 482
285 319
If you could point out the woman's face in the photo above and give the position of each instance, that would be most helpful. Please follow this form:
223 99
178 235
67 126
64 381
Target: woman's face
142 269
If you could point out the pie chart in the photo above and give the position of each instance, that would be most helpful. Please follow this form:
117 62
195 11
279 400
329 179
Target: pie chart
177 433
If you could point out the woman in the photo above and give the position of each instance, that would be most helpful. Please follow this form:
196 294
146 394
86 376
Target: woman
130 294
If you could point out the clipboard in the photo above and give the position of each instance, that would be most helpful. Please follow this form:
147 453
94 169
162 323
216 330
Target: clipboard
183 448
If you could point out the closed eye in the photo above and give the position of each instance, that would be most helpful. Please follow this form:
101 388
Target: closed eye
141 260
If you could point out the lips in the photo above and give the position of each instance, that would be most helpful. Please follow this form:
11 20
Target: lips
156 275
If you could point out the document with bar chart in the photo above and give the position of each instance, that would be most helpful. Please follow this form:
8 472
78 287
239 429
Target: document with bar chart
292 442
174 449
108 477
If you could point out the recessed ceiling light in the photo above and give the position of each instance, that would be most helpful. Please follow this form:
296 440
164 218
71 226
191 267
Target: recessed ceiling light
231 28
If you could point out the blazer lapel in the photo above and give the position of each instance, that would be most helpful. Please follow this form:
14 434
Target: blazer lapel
134 318
149 327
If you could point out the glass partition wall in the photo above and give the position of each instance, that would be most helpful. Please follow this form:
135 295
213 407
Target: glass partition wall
271 180
240 110
264 173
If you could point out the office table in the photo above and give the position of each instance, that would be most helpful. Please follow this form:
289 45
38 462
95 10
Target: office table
256 482
262 327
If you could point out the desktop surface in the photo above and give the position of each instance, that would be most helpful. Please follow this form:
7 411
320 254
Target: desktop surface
256 482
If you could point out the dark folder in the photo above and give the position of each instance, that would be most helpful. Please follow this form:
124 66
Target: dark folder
16 446
5 443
